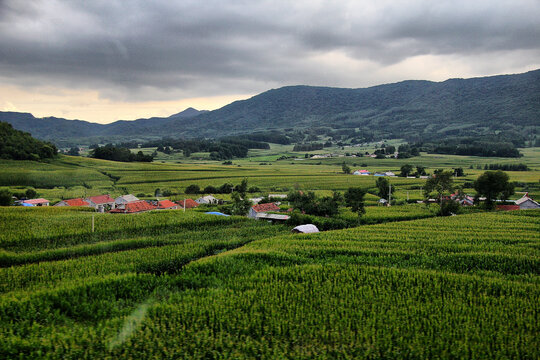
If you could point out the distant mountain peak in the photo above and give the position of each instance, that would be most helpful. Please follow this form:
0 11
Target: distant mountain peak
189 112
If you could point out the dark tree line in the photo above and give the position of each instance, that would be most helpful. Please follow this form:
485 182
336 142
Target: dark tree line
486 147
19 145
110 152
224 149
507 167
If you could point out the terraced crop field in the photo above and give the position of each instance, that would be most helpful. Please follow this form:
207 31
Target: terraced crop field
188 285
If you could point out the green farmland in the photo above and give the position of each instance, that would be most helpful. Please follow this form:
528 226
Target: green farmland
188 285
399 283
69 177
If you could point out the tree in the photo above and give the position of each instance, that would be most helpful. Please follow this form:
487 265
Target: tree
210 190
346 169
157 192
354 197
192 189
459 172
240 204
308 203
406 170
74 151
30 193
242 188
440 183
493 185
225 188
383 186
420 170
5 197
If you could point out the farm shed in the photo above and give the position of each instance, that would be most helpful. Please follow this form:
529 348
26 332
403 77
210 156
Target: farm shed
37 202
527 203
507 207
272 217
73 202
277 196
262 208
305 229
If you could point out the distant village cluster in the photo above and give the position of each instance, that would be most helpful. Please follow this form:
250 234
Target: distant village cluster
130 204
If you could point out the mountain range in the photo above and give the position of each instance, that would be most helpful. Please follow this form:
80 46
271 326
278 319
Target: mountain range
412 109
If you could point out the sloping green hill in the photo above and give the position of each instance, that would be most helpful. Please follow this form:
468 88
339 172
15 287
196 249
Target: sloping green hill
18 145
414 110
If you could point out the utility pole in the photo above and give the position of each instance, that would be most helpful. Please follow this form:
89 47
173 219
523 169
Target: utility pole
184 204
92 222
389 193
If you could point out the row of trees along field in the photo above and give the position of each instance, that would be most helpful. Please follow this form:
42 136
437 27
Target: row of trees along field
222 149
111 152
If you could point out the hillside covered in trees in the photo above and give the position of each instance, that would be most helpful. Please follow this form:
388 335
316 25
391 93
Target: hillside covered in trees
18 145
507 106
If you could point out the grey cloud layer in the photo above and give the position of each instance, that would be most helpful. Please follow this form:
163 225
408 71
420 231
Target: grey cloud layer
153 50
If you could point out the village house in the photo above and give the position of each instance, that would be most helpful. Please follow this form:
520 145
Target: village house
101 203
73 202
133 207
262 208
362 172
124 199
187 204
37 202
208 199
166 205
527 202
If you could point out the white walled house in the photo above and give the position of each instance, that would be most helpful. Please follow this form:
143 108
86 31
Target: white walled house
208 199
121 201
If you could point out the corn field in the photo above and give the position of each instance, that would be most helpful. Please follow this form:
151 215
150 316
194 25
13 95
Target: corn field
188 285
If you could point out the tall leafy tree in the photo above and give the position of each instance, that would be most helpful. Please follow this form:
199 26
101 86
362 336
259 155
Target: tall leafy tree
6 198
493 185
442 182
383 187
406 170
354 197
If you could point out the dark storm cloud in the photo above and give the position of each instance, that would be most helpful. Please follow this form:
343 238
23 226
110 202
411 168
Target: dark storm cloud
142 50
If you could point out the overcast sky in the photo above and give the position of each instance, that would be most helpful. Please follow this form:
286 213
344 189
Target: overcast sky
107 60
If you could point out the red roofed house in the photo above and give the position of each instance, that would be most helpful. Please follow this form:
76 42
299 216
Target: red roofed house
166 205
101 202
134 207
190 204
73 202
262 208
37 202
